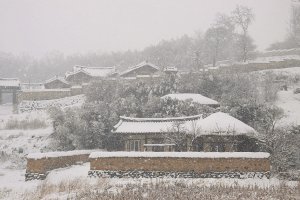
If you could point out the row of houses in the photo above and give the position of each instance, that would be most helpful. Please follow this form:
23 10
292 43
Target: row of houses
83 74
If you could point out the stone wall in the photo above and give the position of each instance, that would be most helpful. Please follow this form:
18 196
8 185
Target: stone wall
177 167
259 66
40 167
46 94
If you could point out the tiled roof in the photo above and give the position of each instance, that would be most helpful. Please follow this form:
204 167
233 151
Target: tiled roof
198 98
62 79
216 124
93 71
156 125
142 64
9 82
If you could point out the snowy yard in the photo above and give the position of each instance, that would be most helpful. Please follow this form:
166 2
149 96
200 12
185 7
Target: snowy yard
290 103
69 182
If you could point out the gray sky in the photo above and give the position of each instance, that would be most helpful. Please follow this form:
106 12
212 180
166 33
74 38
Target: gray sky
40 26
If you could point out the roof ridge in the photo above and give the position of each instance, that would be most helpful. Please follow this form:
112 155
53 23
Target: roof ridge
186 118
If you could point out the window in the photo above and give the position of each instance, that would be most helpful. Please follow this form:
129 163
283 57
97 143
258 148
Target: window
134 145
217 147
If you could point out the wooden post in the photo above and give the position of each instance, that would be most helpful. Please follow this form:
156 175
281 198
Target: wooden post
15 96
0 96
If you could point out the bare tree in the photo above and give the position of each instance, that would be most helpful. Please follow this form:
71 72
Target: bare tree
218 38
243 17
295 23
178 135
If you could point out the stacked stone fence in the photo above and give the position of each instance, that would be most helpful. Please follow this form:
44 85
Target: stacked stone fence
40 164
179 164
250 67
48 94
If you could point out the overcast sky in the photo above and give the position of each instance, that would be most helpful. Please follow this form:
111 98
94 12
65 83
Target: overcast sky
70 26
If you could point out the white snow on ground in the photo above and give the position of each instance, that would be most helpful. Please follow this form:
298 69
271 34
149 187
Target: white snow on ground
290 103
6 109
7 115
31 141
13 181
273 59
284 71
28 106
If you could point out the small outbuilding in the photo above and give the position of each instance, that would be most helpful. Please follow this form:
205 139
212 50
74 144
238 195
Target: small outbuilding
197 98
56 82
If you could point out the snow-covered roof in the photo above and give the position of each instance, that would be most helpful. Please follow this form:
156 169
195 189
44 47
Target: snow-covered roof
142 64
198 98
93 71
59 78
156 125
58 154
180 154
9 82
223 124
171 69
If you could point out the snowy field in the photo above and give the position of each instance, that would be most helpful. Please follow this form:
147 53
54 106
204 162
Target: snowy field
6 109
13 186
285 71
290 103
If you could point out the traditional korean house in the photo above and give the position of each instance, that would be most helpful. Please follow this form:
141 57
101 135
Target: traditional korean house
9 88
83 74
218 132
221 132
142 70
56 83
156 134
197 98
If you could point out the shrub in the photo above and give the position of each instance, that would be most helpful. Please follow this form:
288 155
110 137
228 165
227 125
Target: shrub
297 91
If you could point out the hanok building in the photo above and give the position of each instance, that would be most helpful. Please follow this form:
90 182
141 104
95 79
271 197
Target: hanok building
218 132
197 98
222 132
155 134
32 86
83 74
9 88
142 70
56 83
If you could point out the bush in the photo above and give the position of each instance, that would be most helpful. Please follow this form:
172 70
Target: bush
297 91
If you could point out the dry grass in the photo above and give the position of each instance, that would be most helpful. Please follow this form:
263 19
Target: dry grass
83 189
25 124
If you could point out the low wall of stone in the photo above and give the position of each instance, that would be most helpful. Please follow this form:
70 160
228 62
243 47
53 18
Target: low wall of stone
259 66
45 94
179 164
39 164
